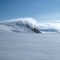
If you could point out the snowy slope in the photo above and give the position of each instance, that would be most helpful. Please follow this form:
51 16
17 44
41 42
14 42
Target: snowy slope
19 26
28 25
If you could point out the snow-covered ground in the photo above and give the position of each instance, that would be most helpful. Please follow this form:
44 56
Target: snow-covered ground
29 46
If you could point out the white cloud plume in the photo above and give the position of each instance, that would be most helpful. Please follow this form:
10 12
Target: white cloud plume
34 23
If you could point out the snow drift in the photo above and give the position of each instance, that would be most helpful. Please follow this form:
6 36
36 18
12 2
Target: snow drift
28 25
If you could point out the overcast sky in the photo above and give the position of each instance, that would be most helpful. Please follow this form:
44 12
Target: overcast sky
43 10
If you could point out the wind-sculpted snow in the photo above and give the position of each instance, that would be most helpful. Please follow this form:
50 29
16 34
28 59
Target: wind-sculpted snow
28 25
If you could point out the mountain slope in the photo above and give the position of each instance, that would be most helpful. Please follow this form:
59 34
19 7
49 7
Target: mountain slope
19 26
28 25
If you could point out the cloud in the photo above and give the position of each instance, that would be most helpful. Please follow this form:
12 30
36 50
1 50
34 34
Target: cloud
33 22
55 24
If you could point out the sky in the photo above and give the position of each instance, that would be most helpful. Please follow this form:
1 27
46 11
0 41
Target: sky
44 10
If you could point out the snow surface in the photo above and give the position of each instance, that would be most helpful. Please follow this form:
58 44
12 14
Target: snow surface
29 46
